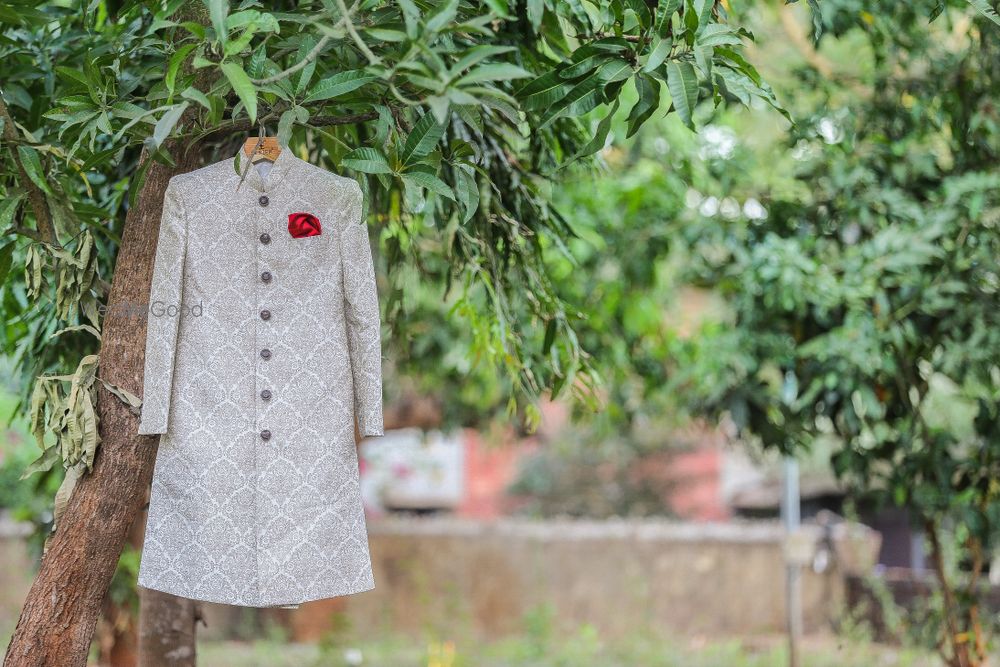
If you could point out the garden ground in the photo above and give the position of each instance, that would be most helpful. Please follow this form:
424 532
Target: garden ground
584 650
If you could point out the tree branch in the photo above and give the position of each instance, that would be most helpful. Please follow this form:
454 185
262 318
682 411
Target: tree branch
309 57
349 26
244 125
25 231
43 216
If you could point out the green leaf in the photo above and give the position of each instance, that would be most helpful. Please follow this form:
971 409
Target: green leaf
664 10
176 61
718 34
476 54
682 82
426 133
255 68
243 87
425 177
493 72
467 192
536 9
338 84
196 95
366 160
8 207
33 167
600 136
444 16
165 125
658 54
218 10
285 126
439 107
649 100
6 258
305 75
583 97
984 8
543 91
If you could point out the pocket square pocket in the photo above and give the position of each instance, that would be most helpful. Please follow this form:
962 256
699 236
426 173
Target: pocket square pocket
302 225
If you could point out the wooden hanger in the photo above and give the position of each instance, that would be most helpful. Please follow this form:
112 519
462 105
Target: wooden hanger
269 148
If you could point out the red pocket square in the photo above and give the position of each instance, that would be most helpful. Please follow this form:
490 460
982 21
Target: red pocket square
301 225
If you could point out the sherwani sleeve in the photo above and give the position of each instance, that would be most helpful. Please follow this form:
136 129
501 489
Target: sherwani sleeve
362 316
163 314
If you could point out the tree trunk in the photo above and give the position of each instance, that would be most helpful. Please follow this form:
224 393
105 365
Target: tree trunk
57 623
167 629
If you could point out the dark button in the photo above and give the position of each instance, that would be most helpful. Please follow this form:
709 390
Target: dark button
266 394
265 238
266 276
265 314
264 200
265 435
265 353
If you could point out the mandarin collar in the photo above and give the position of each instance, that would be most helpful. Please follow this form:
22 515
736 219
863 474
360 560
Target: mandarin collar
279 170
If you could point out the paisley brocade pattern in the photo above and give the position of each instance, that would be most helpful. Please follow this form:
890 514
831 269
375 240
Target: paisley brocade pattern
262 349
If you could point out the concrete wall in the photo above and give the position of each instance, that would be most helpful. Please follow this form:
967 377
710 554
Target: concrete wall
461 577
455 576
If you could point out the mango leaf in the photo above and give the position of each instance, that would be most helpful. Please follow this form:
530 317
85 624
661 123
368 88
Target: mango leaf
218 10
165 125
8 208
33 167
543 91
425 177
285 126
338 84
986 9
78 327
718 34
244 88
493 72
366 160
6 258
536 9
426 133
175 63
126 397
600 136
581 98
658 54
649 100
467 193
682 82
443 16
43 463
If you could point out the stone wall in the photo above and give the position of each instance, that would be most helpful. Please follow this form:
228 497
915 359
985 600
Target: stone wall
456 577
452 576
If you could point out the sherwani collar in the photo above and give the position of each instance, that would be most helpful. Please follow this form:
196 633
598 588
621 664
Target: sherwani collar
279 169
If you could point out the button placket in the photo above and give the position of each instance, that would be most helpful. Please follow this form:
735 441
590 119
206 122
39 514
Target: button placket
264 338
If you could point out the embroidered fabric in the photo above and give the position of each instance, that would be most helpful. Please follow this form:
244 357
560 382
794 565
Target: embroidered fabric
262 350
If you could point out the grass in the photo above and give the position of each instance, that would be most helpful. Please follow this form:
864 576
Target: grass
585 649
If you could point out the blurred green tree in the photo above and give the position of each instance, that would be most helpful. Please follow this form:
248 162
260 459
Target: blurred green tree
866 305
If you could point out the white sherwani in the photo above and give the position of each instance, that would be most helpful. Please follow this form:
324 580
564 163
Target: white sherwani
261 350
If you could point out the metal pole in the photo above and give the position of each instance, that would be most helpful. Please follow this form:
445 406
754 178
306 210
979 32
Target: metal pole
791 517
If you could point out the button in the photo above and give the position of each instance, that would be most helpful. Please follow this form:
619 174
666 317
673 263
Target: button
265 314
266 276
265 238
265 353
265 435
266 394
264 200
